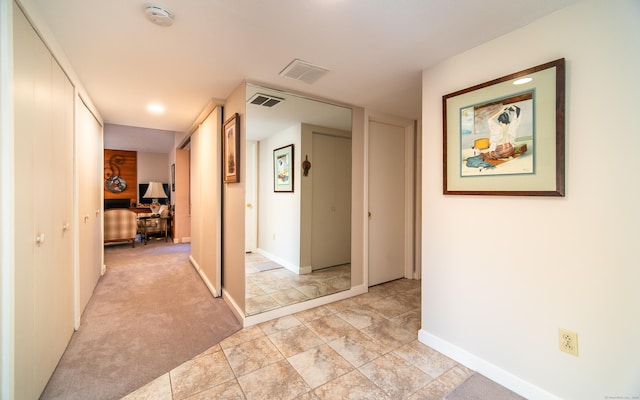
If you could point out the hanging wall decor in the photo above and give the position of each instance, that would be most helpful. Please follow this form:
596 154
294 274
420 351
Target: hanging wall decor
505 137
282 169
231 149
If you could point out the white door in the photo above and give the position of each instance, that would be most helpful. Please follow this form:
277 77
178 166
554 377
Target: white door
331 201
251 188
386 202
43 99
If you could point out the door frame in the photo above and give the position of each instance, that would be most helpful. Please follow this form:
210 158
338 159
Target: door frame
411 264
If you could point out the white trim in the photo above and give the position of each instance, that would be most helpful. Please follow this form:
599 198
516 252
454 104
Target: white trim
409 127
235 308
305 305
288 265
409 199
7 204
484 367
194 263
208 283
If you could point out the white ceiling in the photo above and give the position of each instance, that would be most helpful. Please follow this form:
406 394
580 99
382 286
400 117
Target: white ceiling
375 49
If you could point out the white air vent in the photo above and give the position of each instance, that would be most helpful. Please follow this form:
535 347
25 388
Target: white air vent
264 100
303 71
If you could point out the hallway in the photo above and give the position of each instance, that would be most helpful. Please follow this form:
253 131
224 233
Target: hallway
362 347
148 313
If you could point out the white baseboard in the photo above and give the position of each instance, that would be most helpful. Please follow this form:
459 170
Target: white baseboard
103 270
207 282
235 309
305 305
288 265
484 367
194 263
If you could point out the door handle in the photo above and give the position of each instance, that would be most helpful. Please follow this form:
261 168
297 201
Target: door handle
249 205
369 214
40 239
65 227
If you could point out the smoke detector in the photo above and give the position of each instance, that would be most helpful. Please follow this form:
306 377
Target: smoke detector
159 16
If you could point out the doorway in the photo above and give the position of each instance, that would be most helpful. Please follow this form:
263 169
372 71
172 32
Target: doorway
391 200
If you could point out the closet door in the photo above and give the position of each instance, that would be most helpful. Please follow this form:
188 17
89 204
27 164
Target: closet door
331 201
44 243
54 287
24 45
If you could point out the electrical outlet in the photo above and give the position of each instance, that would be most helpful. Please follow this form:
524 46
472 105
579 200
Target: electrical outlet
568 341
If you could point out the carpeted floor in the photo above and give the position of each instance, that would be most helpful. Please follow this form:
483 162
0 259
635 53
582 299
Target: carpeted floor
149 313
479 387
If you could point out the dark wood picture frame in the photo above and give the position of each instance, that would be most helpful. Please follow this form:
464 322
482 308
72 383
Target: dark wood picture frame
506 137
283 169
231 149
173 177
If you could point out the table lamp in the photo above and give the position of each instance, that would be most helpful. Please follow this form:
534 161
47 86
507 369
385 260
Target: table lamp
155 191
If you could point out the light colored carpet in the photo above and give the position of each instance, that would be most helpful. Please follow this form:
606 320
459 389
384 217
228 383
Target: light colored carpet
479 387
149 313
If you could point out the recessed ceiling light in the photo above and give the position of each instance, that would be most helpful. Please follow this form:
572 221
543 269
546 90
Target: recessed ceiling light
155 108
522 81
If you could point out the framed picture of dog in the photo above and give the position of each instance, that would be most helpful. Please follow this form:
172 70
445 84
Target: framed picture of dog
505 137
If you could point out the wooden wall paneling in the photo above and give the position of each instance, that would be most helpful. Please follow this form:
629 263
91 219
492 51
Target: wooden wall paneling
123 165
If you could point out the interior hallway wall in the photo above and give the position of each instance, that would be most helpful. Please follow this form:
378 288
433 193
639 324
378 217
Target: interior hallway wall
494 298
233 200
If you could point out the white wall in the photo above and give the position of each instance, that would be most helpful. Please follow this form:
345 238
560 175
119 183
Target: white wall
563 262
123 137
153 167
233 200
279 213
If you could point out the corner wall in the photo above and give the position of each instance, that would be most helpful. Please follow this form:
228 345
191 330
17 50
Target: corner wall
233 211
562 262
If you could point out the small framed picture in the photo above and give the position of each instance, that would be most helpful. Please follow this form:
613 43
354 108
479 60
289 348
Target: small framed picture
173 177
231 149
283 169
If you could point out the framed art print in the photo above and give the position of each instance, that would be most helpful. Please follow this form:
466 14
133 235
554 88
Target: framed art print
231 149
506 137
283 169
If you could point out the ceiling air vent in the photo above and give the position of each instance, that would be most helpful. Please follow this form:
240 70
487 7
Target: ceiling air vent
303 71
264 100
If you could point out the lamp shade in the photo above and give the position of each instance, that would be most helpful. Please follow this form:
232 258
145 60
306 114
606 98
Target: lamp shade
155 191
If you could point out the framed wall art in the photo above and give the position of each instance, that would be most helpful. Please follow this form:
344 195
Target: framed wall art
283 169
173 177
505 137
231 149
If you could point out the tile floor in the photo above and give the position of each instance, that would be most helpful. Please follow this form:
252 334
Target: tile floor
277 287
364 347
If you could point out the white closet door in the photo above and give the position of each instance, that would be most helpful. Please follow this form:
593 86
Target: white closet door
331 201
44 262
386 202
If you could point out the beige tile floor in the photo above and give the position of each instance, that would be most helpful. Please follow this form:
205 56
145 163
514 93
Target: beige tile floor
274 288
364 347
